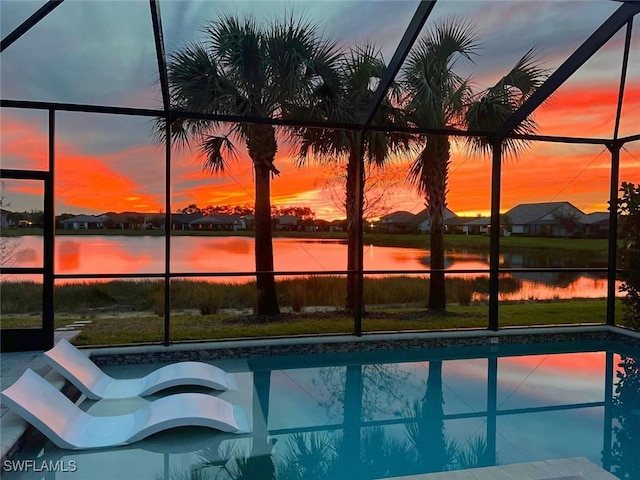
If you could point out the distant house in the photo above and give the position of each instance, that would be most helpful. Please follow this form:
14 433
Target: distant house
421 220
85 222
596 224
239 222
219 222
287 222
316 225
182 221
250 222
555 219
5 221
473 226
403 221
127 220
398 222
338 226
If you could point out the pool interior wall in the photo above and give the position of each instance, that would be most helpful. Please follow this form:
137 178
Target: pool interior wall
285 354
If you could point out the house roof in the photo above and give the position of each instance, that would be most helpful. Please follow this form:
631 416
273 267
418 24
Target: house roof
185 217
482 221
526 213
423 215
401 216
220 219
461 220
288 220
596 217
87 219
127 216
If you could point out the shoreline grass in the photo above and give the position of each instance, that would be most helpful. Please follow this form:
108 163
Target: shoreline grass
207 298
124 312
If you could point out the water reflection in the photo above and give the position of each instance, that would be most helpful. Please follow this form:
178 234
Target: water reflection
26 255
299 443
626 413
68 256
89 254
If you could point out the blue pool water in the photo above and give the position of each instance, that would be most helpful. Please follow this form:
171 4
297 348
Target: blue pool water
377 415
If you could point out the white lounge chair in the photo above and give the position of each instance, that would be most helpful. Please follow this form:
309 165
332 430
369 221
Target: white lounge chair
66 425
96 384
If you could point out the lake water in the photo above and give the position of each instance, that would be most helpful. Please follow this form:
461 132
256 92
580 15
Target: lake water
97 254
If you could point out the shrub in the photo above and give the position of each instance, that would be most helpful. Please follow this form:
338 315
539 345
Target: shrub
629 253
463 290
297 293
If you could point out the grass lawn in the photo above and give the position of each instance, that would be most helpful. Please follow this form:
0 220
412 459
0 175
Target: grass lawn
148 328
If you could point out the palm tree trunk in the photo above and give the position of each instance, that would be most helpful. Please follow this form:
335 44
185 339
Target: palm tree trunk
352 240
352 409
267 299
432 422
262 146
436 177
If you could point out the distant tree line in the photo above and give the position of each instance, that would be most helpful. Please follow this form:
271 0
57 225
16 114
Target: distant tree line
303 213
218 210
32 218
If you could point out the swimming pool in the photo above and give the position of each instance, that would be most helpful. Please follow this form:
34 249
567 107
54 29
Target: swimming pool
370 415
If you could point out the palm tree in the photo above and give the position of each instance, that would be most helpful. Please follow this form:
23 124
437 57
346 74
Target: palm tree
434 451
439 98
361 70
249 70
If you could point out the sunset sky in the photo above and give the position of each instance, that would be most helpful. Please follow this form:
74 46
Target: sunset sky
103 53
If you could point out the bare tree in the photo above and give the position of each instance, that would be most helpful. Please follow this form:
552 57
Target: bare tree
382 187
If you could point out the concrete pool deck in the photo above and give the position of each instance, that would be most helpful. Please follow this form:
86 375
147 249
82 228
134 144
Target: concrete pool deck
12 365
562 469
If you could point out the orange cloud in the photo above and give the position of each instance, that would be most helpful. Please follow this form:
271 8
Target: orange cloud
83 182
587 110
27 187
133 178
23 145
86 183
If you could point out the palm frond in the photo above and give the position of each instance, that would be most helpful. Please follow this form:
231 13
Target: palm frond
382 454
436 93
194 78
182 131
453 35
360 71
475 454
524 78
239 44
215 149
300 60
308 457
491 108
